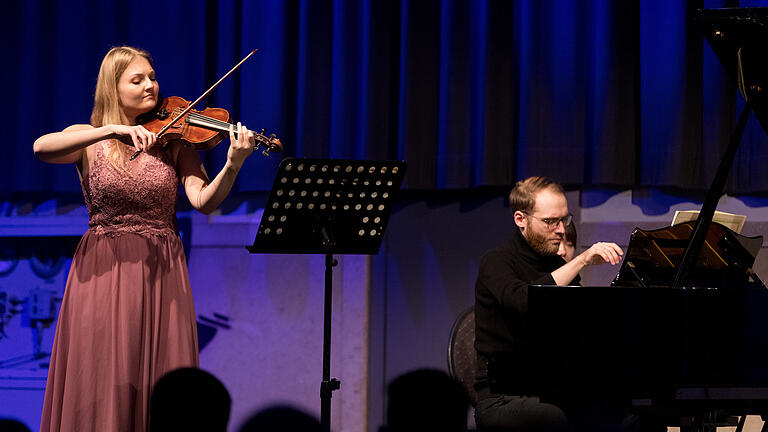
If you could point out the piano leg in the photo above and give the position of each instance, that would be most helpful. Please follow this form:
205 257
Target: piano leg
742 421
740 425
710 420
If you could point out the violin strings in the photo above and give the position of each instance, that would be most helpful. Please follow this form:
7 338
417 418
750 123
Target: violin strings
195 117
199 118
212 125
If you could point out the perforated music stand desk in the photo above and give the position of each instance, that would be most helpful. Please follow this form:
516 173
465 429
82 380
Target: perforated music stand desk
328 206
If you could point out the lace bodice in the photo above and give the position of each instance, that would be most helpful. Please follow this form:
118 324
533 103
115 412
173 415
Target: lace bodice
141 199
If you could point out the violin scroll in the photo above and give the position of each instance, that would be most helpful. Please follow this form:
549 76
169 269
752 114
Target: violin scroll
269 144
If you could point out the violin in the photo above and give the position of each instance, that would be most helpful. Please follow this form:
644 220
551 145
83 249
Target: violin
199 130
173 119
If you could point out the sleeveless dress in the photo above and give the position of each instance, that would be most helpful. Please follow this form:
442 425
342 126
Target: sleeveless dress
127 317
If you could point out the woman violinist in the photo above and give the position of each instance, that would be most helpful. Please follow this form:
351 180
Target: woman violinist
127 316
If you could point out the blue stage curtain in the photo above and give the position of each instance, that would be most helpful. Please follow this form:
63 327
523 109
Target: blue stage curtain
468 92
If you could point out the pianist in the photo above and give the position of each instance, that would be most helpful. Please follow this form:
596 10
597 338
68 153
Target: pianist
540 213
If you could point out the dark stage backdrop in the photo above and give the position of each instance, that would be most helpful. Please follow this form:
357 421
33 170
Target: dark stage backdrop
468 92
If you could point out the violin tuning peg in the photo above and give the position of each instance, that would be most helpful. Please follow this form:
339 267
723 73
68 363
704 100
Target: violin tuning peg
262 131
272 135
265 152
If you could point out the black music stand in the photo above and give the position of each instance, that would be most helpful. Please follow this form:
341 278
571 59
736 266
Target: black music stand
328 206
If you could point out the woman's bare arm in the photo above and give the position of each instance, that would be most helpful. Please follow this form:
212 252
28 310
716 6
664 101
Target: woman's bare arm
206 196
67 146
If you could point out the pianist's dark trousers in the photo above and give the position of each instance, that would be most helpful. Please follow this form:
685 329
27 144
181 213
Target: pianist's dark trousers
504 413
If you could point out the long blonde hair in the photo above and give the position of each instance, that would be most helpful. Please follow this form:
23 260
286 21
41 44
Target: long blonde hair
106 102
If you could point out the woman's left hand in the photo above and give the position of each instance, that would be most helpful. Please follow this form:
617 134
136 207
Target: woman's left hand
240 147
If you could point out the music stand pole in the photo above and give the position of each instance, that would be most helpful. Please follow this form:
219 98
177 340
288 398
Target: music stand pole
328 385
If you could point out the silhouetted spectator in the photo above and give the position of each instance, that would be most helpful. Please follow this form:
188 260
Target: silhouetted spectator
426 400
281 418
12 425
189 399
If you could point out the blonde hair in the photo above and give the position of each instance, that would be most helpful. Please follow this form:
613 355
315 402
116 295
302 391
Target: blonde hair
106 102
523 195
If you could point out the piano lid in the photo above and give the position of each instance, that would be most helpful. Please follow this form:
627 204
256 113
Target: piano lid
739 37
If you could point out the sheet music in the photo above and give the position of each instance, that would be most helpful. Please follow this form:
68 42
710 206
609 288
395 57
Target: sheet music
733 221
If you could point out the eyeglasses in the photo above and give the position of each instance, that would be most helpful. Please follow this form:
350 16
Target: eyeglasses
553 222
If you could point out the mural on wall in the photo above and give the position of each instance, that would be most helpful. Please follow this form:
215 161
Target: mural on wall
33 273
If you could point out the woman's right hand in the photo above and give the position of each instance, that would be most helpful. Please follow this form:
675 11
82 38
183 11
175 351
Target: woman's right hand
136 136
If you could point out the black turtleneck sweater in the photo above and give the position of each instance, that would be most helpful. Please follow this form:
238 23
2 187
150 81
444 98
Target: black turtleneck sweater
501 297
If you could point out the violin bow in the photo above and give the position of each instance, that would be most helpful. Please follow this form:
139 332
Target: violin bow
202 96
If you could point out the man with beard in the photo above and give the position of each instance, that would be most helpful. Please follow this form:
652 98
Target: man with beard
540 213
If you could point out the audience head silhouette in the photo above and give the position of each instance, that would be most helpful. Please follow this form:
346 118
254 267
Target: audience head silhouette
12 425
281 418
189 399
426 400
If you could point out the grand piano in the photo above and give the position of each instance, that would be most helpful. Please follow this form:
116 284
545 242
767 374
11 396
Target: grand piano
684 326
